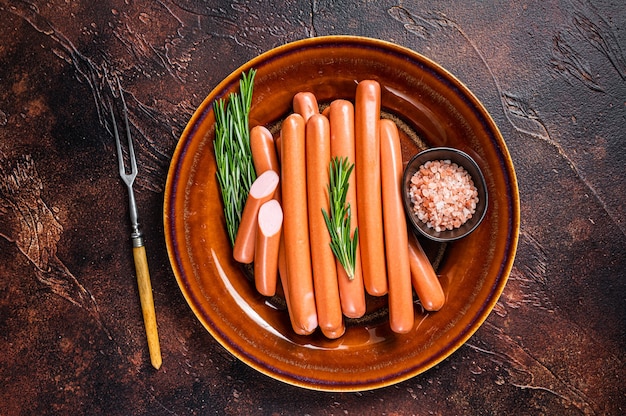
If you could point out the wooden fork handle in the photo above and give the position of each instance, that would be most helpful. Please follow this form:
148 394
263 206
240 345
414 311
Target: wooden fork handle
147 305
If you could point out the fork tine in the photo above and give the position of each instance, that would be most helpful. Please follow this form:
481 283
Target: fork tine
131 150
128 177
118 145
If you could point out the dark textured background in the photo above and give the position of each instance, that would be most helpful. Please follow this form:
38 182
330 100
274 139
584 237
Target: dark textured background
553 76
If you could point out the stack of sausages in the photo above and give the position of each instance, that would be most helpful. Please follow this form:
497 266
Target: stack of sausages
284 233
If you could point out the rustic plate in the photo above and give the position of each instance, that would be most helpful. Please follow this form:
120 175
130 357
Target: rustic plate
432 108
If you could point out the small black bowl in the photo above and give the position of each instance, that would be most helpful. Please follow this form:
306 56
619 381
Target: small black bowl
461 159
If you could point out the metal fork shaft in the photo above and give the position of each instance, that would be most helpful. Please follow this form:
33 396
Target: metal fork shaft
135 235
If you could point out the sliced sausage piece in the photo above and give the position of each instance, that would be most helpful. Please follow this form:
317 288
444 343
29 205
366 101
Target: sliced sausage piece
423 277
368 186
296 223
264 155
261 191
263 150
269 228
351 291
401 314
329 314
305 104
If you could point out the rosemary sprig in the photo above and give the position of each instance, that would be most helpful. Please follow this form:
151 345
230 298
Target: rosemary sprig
235 170
338 222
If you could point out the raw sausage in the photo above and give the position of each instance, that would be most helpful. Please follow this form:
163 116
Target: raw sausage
368 186
351 291
401 315
269 228
423 277
329 314
261 191
305 104
296 223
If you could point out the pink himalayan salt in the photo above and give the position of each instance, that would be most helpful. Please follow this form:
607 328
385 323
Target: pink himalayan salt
443 195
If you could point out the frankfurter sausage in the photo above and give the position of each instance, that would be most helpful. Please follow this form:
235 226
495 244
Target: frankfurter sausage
329 314
284 281
305 104
296 223
368 186
261 191
263 150
423 277
401 315
351 291
269 228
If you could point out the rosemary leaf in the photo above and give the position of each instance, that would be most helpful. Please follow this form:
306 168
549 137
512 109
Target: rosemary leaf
338 221
235 170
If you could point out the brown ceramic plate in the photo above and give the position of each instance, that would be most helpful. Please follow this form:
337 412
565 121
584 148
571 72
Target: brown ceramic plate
433 109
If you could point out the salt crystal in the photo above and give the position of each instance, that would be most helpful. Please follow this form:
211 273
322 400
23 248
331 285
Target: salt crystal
443 195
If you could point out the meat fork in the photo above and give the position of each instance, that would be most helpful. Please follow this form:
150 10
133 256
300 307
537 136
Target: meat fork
139 250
